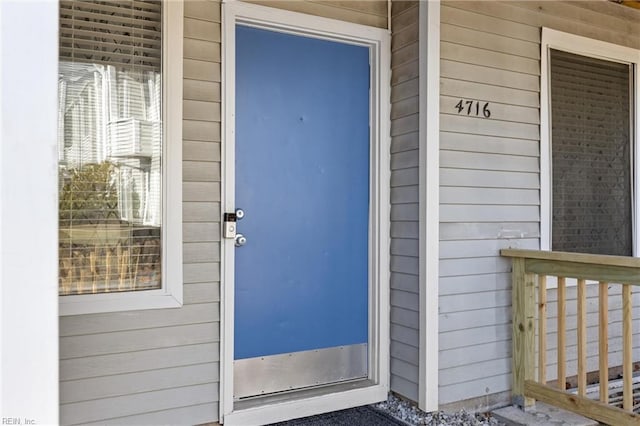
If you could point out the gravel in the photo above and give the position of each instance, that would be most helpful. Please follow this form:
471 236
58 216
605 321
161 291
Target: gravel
411 415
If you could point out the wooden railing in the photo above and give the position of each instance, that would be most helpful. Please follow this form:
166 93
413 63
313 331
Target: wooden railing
530 272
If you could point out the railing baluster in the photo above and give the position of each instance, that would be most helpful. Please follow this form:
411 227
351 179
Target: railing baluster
542 329
562 327
603 341
627 356
582 337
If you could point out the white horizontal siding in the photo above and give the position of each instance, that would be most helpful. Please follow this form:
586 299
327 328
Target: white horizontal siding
162 366
404 200
490 176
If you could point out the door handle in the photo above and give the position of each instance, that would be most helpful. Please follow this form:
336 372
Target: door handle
240 240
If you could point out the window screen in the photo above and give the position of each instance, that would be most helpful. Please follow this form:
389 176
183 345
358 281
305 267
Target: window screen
591 155
110 146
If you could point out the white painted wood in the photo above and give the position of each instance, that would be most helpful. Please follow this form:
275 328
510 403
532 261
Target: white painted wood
462 213
494 42
483 352
403 369
488 196
488 178
404 142
488 299
485 57
504 112
405 317
405 183
482 161
405 335
480 126
463 15
137 320
478 248
379 45
490 144
429 40
28 212
200 413
404 160
474 231
405 282
404 387
406 299
463 374
132 362
170 295
461 284
494 76
98 410
485 386
488 93
137 340
473 266
407 353
470 337
138 382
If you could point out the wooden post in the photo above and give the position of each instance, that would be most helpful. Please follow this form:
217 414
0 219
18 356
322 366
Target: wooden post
562 330
627 348
542 329
603 341
523 299
582 337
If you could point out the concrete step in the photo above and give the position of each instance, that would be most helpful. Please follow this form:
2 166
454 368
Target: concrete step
541 415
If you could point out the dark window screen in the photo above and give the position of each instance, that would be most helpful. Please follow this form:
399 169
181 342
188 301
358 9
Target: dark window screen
591 154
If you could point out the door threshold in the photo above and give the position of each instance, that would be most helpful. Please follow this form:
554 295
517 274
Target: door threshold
289 395
289 405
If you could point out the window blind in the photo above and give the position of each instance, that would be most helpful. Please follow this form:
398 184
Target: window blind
591 155
120 32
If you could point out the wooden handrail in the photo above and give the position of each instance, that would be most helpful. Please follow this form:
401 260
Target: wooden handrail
530 269
613 269
565 256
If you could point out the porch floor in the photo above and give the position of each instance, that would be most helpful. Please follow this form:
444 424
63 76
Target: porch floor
542 415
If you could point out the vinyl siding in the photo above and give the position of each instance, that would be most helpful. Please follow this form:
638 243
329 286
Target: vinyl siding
404 200
490 173
162 366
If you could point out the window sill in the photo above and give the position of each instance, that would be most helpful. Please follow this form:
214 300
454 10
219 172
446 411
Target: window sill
118 302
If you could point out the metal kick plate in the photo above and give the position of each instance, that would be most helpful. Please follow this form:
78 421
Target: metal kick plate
284 372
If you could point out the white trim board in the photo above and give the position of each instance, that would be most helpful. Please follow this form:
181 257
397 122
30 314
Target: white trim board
170 295
29 336
378 41
429 181
553 39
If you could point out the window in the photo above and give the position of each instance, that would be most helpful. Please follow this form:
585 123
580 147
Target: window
588 147
119 154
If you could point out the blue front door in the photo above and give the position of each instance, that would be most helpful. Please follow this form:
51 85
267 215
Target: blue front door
302 179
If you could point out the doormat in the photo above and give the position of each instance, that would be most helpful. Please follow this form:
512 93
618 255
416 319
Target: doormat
350 417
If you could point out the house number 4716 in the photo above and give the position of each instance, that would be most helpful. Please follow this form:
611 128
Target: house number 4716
473 108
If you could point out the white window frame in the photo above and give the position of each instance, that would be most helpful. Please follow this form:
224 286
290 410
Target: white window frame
170 295
378 42
553 39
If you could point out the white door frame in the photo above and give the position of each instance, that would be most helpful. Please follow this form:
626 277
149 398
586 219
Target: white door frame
378 42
